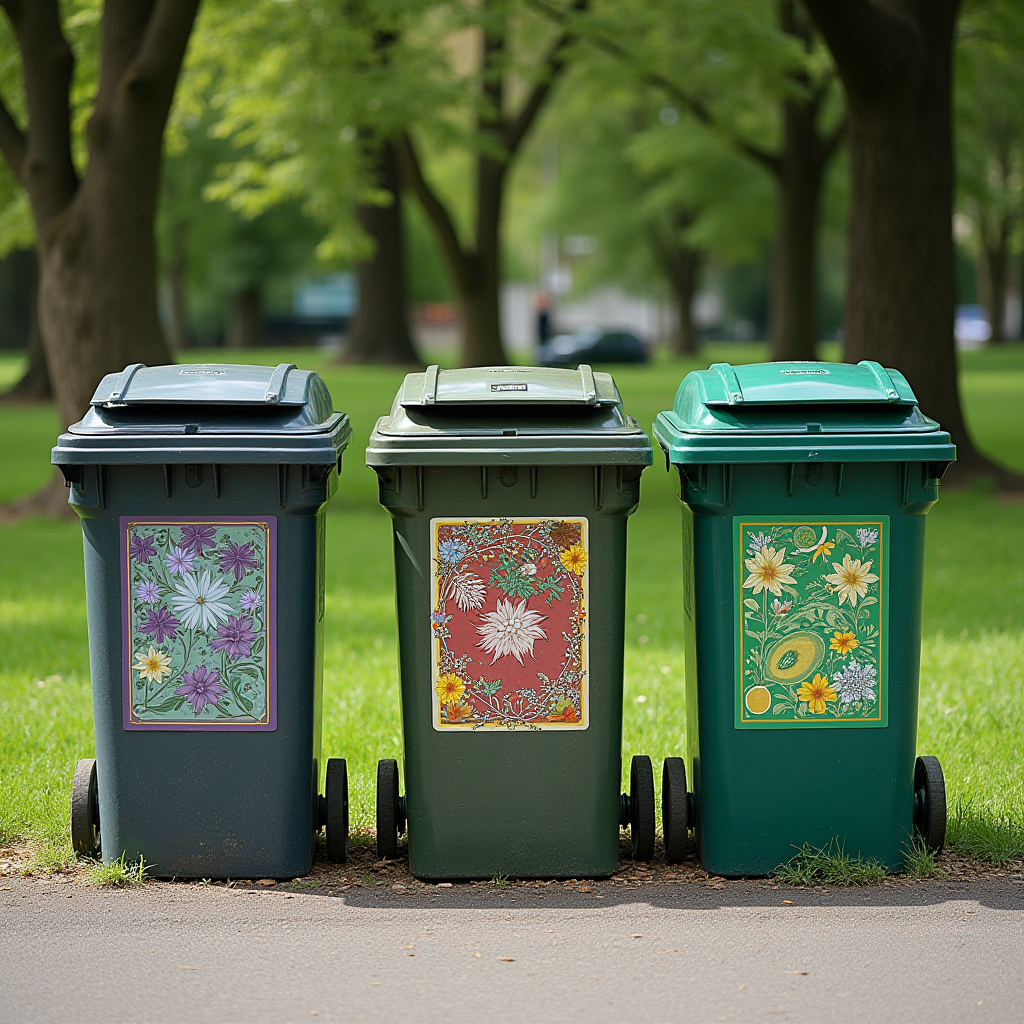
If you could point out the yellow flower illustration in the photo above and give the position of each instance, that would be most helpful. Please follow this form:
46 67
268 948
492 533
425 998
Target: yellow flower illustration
153 665
450 688
574 559
823 549
768 571
817 694
851 579
843 642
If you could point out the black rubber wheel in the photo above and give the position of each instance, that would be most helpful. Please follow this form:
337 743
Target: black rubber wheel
930 803
389 816
675 810
641 807
85 810
336 800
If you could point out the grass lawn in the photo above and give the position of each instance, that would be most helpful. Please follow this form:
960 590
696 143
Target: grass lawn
972 657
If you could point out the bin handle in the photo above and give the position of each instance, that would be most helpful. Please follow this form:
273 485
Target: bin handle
884 380
430 384
589 384
276 385
117 395
733 391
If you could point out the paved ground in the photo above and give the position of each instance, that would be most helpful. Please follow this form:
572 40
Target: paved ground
654 953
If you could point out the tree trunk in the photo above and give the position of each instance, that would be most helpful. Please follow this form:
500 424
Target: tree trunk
994 266
684 287
896 64
177 279
379 332
792 311
34 385
481 291
245 318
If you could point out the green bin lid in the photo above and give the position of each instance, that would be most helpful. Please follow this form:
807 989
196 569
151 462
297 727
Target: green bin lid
207 413
507 415
797 411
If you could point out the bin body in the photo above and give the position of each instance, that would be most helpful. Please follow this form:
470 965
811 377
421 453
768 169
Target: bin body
202 516
509 510
804 490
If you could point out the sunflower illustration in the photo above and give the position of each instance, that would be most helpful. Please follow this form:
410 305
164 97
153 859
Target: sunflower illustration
843 643
450 688
817 694
574 559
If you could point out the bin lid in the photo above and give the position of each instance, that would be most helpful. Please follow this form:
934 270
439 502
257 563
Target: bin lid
207 413
795 411
507 415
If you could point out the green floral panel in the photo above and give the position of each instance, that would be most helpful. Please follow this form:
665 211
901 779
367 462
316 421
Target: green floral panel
812 618
198 623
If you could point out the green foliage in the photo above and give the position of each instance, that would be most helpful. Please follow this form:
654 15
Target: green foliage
118 874
829 865
919 861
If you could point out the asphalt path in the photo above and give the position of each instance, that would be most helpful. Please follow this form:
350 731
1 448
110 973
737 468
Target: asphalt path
178 954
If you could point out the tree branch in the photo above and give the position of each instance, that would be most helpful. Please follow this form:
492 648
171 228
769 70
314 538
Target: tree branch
554 65
13 143
869 42
47 170
162 49
412 173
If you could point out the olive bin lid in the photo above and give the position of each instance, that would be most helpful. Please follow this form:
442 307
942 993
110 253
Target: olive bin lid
795 412
207 413
507 415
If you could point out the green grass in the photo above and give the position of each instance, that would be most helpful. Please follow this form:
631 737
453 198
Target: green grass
972 658
830 865
118 874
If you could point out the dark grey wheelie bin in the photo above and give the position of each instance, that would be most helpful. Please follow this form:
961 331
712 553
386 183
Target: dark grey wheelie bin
201 490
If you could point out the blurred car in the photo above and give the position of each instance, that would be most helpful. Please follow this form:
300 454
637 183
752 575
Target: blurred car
971 326
592 345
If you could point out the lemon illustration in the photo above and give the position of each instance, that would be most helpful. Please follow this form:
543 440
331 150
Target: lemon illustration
758 700
795 657
805 537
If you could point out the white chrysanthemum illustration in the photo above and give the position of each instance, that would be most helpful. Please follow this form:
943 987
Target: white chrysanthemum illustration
768 571
467 589
856 681
510 629
198 601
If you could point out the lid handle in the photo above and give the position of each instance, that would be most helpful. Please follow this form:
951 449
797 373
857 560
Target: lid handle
733 391
121 386
277 381
884 380
589 384
430 384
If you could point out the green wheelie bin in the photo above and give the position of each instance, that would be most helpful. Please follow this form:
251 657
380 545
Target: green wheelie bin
804 489
509 490
201 490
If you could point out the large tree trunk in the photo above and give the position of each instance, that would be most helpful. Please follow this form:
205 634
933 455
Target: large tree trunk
379 332
684 287
896 64
34 385
792 310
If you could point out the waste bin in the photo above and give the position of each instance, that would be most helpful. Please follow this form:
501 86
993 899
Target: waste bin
201 491
509 490
804 488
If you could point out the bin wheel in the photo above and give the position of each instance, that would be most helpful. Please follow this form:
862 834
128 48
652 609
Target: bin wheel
641 807
336 801
930 803
390 809
675 810
85 809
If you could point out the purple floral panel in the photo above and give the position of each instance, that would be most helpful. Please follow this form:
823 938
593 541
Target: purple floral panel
199 623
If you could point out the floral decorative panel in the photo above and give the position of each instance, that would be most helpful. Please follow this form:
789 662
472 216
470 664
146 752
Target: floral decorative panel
198 607
509 623
812 626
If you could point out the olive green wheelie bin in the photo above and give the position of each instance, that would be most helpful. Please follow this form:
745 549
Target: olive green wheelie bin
509 490
804 489
201 491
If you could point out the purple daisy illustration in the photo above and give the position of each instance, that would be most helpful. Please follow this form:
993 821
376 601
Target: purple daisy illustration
237 558
179 561
142 549
195 537
235 637
251 601
148 592
200 687
160 623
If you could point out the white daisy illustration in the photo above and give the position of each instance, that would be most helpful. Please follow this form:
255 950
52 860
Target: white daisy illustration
198 601
510 629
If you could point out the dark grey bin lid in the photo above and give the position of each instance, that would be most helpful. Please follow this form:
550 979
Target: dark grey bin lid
207 413
507 415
